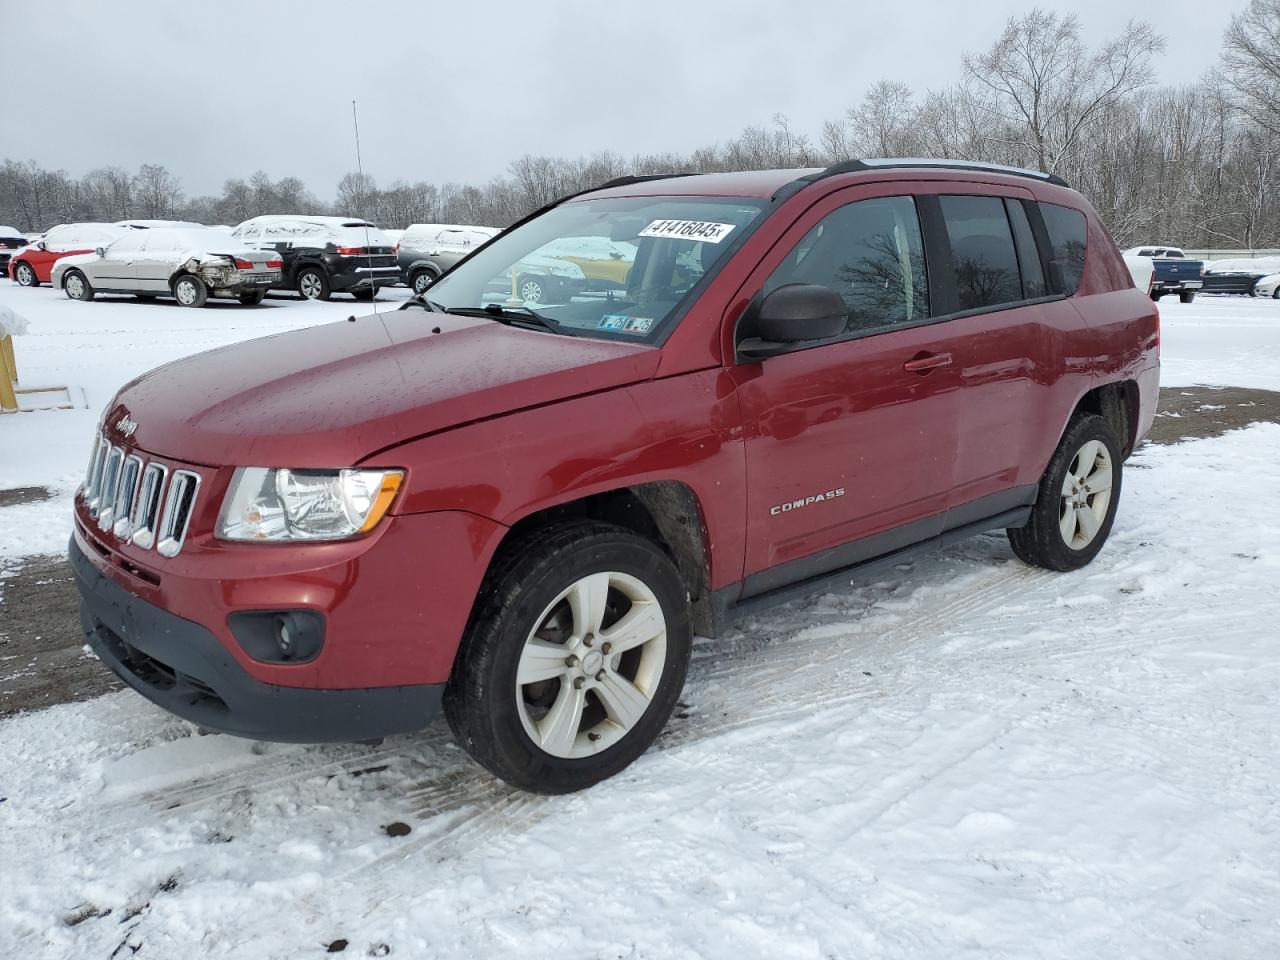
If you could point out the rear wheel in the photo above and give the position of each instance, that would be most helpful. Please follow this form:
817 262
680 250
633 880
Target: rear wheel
1276 295
534 289
574 658
1076 503
313 284
421 280
1187 296
190 290
25 274
77 286
365 295
1156 295
251 298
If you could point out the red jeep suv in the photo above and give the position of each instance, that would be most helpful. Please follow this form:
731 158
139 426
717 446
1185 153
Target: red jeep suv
520 512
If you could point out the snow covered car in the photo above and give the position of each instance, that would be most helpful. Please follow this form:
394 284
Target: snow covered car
325 255
189 264
426 250
11 240
1268 287
32 265
542 279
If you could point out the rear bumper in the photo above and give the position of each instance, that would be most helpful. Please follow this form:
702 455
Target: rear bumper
181 666
361 278
1177 284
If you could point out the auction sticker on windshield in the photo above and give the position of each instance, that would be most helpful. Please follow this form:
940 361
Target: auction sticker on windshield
704 231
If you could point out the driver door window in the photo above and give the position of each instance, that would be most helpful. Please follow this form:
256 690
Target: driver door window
871 254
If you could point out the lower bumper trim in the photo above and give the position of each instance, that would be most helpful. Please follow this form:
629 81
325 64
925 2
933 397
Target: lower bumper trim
181 666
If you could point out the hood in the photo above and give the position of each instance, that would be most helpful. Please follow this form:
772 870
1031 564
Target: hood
331 395
61 264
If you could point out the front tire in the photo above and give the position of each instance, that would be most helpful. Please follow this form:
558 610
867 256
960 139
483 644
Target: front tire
313 284
367 296
1187 296
190 291
251 298
574 658
25 275
77 286
534 289
1076 503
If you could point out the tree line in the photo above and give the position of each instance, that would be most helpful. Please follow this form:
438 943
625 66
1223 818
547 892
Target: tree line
1197 164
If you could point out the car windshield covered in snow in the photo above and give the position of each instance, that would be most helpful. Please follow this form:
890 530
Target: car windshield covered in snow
617 267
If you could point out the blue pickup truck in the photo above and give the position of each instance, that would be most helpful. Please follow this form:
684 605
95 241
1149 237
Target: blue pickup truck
1174 273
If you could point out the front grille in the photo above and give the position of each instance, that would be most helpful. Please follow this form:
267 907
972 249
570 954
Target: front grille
138 501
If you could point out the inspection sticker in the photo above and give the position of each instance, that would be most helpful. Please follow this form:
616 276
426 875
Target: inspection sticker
704 231
613 321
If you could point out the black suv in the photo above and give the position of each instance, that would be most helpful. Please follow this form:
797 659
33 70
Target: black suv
325 255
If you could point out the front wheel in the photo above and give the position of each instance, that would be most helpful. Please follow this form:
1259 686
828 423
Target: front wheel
25 274
251 298
77 286
190 291
1076 503
534 289
421 280
1187 296
574 659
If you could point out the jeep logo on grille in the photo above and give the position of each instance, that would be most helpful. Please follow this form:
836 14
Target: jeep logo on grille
126 426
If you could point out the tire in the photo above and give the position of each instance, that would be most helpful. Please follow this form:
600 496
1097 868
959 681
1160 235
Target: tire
366 295
1276 294
420 280
504 724
77 286
534 288
24 275
313 284
1156 296
190 291
1187 296
251 298
1043 542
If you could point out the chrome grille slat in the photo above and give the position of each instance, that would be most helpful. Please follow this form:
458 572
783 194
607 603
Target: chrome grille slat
138 501
178 507
110 485
130 474
146 510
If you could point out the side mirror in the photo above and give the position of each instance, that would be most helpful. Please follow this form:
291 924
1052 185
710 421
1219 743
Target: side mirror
796 313
40 245
101 251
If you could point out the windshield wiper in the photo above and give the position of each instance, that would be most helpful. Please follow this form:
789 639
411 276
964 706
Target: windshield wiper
503 314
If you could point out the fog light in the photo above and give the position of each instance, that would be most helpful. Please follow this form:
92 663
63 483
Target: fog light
279 636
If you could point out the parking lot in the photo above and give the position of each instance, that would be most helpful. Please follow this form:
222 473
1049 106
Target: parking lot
961 749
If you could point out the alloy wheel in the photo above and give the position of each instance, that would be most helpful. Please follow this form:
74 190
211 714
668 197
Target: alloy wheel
1086 495
309 285
531 290
591 666
25 275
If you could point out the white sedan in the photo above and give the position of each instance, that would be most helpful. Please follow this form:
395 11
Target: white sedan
1268 287
189 264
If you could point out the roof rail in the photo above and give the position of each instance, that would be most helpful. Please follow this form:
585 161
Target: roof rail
895 163
629 180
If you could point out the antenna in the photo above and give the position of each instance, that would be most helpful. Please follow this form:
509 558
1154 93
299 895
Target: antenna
355 122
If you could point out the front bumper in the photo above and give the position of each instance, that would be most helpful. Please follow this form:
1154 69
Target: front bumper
181 666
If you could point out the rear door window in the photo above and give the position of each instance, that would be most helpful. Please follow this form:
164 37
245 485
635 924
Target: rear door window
982 250
1067 233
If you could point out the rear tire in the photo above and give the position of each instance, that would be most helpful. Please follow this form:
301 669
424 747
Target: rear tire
1187 296
1076 503
190 291
251 298
313 284
550 609
421 280
77 286
25 275
366 295
1156 296
1276 295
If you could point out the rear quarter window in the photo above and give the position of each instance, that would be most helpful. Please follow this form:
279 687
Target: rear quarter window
1067 241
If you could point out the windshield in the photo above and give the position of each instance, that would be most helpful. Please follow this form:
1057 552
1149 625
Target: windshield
612 267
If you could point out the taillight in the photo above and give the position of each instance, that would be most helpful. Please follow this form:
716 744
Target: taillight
243 264
397 248
275 264
350 251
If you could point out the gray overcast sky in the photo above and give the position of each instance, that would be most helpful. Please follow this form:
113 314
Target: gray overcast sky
455 90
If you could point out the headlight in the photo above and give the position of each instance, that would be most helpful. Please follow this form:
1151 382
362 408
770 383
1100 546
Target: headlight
282 504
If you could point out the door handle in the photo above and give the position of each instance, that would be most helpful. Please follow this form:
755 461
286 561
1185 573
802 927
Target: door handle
924 362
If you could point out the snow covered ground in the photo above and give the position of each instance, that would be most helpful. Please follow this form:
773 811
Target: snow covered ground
965 756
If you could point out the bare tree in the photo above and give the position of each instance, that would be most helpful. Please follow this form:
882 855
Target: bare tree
156 191
1049 88
1251 62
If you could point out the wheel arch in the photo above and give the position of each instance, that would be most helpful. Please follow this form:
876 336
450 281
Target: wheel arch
668 512
1119 403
